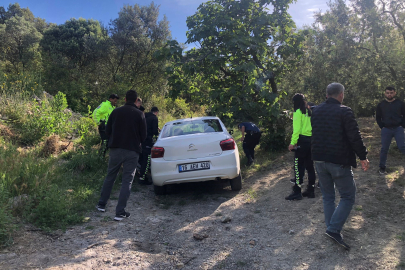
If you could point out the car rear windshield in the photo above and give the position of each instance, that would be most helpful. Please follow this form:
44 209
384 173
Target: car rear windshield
191 127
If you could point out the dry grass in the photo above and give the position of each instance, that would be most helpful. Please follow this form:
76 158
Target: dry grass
51 146
7 133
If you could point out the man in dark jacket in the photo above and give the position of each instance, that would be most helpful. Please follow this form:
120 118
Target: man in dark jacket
126 128
336 141
390 116
152 130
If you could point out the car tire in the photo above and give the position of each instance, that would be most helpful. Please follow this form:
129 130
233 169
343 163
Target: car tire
159 190
236 183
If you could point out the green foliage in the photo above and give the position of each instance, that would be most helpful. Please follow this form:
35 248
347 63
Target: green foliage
57 194
88 62
49 117
53 209
358 46
245 48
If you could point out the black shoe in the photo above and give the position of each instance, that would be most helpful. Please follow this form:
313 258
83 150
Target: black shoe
338 238
382 171
100 208
122 216
296 194
309 192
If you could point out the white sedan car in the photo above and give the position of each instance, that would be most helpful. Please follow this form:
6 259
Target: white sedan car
194 150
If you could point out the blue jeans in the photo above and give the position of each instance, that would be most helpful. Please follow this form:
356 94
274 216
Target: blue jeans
386 137
129 160
331 175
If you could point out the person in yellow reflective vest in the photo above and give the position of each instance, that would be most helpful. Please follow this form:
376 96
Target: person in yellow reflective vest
301 145
101 114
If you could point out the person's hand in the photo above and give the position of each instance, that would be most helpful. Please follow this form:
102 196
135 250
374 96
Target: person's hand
365 164
241 139
291 147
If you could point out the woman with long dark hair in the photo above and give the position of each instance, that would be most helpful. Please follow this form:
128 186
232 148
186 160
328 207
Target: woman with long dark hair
301 144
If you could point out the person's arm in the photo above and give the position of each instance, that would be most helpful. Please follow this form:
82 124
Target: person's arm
296 127
243 133
403 114
108 128
155 126
142 128
378 116
353 134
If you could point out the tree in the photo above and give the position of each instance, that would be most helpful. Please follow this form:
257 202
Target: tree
135 36
19 42
245 47
72 52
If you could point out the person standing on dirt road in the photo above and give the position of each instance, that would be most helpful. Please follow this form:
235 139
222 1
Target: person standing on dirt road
101 114
152 126
301 144
336 140
390 116
126 128
250 137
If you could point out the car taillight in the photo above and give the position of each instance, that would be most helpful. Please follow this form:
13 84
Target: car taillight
157 152
227 144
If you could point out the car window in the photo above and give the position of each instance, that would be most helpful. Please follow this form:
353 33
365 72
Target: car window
191 127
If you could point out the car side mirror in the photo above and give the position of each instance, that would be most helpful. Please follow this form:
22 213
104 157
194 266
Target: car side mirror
231 132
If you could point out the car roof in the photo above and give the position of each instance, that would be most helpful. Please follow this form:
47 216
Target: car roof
191 119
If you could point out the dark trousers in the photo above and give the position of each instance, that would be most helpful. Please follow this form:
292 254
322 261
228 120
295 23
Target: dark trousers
386 137
145 161
104 139
128 159
250 142
303 161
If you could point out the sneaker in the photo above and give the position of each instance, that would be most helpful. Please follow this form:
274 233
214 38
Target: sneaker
382 171
122 216
100 208
318 185
338 238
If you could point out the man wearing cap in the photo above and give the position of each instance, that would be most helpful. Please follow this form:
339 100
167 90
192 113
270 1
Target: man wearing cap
101 114
250 140
152 130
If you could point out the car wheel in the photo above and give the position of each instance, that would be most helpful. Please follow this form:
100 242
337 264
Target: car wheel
159 190
236 183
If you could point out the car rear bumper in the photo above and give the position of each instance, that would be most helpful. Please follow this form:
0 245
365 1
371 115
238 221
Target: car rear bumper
225 166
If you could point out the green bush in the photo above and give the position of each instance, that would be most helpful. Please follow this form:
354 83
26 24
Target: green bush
277 134
53 209
50 117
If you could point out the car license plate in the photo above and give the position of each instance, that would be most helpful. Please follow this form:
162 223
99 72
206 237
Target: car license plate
205 165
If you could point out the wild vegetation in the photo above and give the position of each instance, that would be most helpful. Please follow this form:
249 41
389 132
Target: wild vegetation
249 59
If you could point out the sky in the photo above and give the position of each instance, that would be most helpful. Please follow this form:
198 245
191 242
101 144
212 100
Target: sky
176 11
